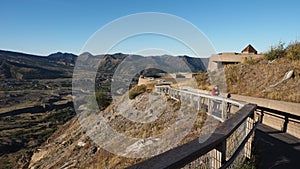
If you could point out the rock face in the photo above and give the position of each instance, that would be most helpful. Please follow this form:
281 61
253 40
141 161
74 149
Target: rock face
287 76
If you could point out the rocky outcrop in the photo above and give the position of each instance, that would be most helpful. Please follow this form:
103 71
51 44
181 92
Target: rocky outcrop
287 76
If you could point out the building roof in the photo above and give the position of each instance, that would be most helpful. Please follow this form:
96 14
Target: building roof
249 49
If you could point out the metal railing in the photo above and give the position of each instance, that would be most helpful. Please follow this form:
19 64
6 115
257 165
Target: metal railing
282 121
219 107
227 147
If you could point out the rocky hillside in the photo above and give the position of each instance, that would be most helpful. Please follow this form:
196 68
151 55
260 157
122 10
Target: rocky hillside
196 64
72 147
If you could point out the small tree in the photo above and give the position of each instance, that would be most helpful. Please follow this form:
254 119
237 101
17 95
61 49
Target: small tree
276 52
103 99
293 51
137 90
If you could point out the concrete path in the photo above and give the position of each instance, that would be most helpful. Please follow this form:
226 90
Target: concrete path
276 150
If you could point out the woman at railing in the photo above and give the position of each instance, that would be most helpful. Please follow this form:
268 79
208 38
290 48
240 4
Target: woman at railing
215 92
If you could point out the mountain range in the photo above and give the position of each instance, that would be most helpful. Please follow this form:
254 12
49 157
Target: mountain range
15 65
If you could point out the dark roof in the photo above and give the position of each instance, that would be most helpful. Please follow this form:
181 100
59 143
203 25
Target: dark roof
249 49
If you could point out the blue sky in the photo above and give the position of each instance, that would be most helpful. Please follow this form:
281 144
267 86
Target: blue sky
47 26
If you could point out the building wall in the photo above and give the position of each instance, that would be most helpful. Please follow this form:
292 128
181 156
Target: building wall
218 60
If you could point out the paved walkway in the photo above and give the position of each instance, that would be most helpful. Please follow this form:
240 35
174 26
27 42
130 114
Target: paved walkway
276 150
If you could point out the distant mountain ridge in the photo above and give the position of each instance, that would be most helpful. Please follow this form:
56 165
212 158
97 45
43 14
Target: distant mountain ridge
58 56
16 65
63 57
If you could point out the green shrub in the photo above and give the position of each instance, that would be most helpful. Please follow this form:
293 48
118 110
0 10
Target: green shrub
103 99
293 51
276 52
250 61
132 94
137 90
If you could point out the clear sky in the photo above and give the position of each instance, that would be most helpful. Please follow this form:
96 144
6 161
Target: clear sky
47 26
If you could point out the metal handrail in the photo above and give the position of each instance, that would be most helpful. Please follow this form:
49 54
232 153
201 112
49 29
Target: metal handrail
239 103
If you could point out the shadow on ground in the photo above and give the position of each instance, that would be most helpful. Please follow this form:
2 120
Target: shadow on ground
276 150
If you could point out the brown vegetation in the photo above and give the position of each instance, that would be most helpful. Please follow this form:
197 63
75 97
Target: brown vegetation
256 79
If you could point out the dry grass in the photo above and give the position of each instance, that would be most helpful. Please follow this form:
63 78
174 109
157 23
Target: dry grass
256 79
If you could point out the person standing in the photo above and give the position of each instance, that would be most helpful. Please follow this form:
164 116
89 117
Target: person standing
228 103
215 91
215 104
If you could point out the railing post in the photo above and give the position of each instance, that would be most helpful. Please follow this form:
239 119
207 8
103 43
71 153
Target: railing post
285 124
222 149
224 112
202 102
199 103
215 160
248 146
210 106
261 116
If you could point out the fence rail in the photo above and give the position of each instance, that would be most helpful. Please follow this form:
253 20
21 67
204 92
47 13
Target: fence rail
219 107
227 147
282 121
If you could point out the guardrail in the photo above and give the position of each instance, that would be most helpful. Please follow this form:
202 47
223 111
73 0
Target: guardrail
219 107
227 147
282 121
